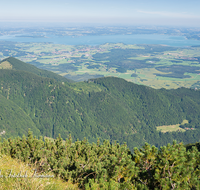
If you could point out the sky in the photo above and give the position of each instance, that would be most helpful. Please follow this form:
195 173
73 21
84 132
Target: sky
131 12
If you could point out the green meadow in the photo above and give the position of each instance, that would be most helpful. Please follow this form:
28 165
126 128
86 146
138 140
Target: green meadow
171 128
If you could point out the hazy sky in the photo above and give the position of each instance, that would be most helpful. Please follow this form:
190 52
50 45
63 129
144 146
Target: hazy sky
153 12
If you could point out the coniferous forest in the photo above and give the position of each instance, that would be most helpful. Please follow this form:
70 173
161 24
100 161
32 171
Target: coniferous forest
102 121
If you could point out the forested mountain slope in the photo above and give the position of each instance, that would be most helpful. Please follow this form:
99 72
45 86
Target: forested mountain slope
106 108
13 120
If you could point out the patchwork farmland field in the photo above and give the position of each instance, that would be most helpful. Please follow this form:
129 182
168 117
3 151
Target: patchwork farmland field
157 66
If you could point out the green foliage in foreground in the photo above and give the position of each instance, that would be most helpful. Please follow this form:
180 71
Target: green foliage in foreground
109 166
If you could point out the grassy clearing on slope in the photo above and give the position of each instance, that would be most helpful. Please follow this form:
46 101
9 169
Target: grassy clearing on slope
171 128
5 65
86 87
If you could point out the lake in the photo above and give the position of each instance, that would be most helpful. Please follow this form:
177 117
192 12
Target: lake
178 41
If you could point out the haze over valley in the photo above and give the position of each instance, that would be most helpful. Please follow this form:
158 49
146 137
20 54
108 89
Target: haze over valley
159 57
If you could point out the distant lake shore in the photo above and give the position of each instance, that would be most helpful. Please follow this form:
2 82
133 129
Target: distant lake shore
176 41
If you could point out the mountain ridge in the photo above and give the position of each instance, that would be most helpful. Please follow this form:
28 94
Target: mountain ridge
20 65
105 108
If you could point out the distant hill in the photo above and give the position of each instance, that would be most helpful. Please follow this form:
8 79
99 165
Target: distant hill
105 108
15 64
